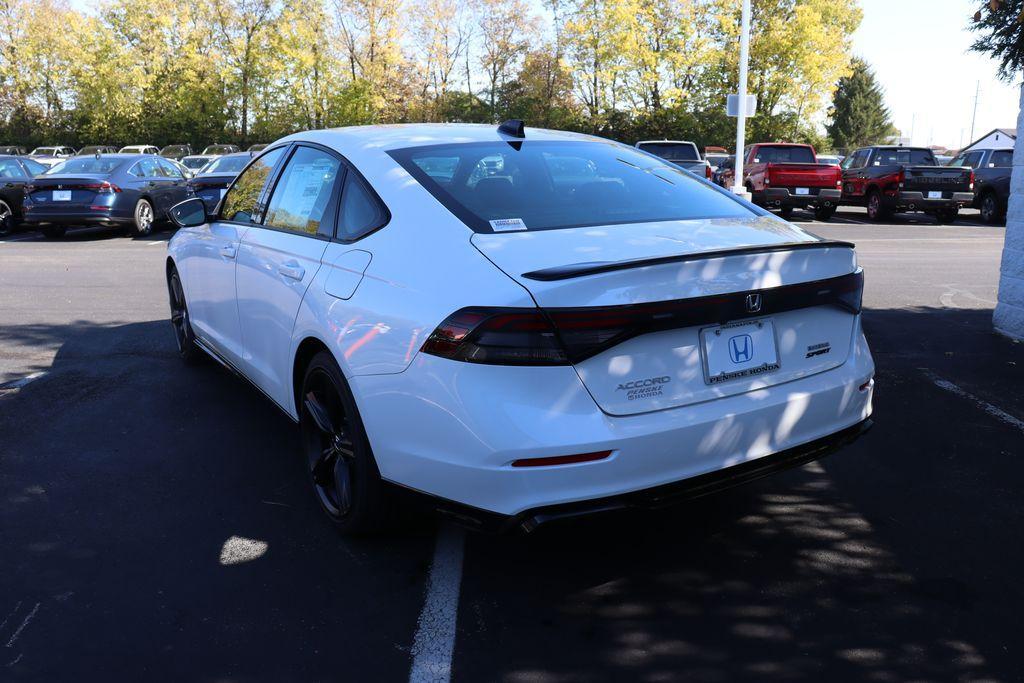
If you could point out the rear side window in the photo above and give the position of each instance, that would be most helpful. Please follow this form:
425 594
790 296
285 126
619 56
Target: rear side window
783 154
361 211
170 170
502 186
303 193
33 168
241 203
1001 158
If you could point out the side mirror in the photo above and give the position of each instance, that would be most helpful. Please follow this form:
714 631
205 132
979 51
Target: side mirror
190 213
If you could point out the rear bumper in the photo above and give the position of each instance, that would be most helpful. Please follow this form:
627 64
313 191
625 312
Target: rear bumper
465 424
785 196
659 496
32 220
921 201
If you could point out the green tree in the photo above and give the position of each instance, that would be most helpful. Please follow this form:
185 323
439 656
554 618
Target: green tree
858 114
1001 25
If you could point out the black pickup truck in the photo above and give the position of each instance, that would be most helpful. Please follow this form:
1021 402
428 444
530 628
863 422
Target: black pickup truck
992 168
887 178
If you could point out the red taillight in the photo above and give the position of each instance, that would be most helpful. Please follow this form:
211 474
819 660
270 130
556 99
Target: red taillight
561 459
105 187
707 171
497 336
971 186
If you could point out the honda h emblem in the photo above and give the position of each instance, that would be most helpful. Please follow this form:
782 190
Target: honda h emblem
741 348
753 303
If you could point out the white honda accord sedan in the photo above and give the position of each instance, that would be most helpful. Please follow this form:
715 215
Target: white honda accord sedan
520 324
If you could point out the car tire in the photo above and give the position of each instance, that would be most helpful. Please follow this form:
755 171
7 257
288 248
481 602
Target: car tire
946 216
143 217
824 213
989 207
185 338
786 212
337 455
53 232
6 219
877 211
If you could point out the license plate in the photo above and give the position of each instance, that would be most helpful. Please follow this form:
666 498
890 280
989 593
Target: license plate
934 194
802 190
62 195
738 350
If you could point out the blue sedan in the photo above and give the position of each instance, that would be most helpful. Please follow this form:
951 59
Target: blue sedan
132 191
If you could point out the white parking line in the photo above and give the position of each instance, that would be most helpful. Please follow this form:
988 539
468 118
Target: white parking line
434 643
24 623
992 410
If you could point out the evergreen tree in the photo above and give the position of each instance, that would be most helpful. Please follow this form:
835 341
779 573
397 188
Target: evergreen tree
858 114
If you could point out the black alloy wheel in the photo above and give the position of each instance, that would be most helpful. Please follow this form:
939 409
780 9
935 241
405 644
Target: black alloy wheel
990 209
341 468
183 335
876 208
6 219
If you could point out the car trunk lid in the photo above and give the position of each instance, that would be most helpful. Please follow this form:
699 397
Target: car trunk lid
56 191
638 306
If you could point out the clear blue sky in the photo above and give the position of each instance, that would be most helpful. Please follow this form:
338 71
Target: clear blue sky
919 51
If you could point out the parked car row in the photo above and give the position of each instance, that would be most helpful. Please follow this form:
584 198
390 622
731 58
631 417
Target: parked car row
130 190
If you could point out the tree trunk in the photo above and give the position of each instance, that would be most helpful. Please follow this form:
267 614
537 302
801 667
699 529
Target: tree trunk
1009 314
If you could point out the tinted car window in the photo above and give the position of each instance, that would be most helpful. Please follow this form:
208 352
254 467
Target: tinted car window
916 157
673 151
530 185
170 170
303 191
361 211
33 167
85 165
1001 158
9 168
784 154
973 159
228 164
241 203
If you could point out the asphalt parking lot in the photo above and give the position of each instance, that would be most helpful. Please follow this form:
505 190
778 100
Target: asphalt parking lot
156 523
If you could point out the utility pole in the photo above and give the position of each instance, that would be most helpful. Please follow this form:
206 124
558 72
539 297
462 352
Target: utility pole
741 119
977 88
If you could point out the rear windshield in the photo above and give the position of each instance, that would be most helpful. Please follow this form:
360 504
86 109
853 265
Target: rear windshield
194 162
505 186
673 151
914 157
174 149
90 165
228 164
784 154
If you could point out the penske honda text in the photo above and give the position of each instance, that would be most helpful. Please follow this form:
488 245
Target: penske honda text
519 324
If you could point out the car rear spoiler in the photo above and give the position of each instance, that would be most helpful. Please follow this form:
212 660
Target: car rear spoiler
573 270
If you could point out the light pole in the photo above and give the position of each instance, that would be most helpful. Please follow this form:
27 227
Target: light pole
741 105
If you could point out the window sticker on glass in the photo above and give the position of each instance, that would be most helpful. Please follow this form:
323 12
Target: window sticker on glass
507 224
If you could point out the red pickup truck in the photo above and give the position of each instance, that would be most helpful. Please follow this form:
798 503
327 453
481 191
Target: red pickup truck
787 175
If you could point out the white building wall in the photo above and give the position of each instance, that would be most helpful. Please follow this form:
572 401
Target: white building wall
1009 314
994 140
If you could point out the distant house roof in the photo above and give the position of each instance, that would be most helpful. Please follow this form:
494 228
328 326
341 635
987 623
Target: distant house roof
1008 132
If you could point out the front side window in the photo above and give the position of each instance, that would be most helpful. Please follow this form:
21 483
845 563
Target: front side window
303 192
170 170
500 186
241 203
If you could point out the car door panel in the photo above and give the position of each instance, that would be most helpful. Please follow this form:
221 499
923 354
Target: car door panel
278 260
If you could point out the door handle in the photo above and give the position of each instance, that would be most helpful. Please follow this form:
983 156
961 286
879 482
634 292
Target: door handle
228 251
291 270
